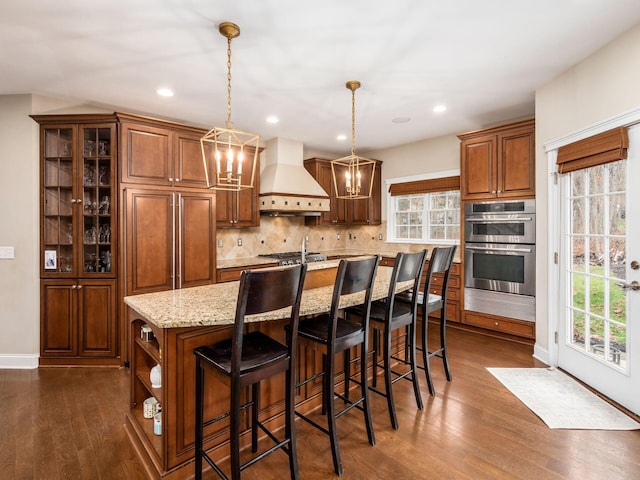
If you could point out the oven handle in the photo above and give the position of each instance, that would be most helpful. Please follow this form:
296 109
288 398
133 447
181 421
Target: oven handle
498 249
497 220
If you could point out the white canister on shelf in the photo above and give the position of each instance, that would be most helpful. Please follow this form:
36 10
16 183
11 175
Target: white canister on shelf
157 423
156 376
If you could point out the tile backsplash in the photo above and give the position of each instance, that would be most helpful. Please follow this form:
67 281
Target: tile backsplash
285 234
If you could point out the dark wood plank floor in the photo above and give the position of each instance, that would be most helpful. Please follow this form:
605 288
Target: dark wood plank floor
69 424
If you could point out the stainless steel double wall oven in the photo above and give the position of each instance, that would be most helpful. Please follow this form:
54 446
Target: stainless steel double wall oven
499 258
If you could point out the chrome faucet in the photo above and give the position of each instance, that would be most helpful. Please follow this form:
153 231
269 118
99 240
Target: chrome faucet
303 249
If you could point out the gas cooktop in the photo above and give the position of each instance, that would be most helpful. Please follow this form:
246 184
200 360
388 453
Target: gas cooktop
291 258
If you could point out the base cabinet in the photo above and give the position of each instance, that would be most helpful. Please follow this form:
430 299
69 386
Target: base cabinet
510 326
78 321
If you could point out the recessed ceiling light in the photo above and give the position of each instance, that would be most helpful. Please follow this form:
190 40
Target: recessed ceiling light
342 137
401 119
165 92
272 119
440 108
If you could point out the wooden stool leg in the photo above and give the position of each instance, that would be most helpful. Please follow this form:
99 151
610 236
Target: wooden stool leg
414 364
290 425
234 440
387 378
347 373
365 391
325 384
425 356
199 418
255 410
331 415
443 344
376 348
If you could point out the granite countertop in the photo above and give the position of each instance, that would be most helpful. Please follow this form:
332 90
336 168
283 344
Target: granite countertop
215 304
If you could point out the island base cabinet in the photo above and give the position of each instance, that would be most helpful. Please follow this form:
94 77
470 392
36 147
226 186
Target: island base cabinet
169 455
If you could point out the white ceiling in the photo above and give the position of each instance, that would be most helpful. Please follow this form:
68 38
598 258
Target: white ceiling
483 59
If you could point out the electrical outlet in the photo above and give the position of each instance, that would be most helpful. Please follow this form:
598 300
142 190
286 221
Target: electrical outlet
219 243
379 236
239 242
7 252
349 236
338 236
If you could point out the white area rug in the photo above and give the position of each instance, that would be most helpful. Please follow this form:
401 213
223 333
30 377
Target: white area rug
560 401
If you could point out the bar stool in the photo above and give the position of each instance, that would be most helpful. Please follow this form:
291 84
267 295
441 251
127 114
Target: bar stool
246 359
391 314
439 263
331 334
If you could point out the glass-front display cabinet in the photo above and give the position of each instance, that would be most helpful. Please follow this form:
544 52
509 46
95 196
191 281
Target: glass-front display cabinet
78 193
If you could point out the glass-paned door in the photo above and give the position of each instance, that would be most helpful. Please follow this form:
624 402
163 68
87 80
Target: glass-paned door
58 200
97 168
600 242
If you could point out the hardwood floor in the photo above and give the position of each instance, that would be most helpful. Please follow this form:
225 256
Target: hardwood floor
63 423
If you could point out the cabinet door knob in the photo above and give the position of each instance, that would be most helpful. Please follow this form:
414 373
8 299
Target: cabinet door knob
495 323
170 179
79 287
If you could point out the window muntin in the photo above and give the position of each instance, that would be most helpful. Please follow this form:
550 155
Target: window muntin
429 217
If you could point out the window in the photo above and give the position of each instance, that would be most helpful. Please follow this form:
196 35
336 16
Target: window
425 218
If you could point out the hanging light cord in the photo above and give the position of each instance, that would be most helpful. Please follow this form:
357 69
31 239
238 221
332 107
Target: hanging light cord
353 122
229 82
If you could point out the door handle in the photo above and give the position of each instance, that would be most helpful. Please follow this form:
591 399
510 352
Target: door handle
635 286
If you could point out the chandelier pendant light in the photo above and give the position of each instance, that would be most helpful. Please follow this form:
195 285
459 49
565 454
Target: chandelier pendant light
353 175
229 155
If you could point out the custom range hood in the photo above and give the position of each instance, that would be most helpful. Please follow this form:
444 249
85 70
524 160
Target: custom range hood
286 188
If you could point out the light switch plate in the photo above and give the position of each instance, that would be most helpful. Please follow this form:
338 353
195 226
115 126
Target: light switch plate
7 253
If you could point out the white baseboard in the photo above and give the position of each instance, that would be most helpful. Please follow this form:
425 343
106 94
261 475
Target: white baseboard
541 354
18 361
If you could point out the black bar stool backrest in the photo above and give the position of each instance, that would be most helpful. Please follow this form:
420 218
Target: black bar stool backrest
440 262
407 266
354 275
265 290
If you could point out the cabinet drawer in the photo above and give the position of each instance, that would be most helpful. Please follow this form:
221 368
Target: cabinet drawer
233 274
514 327
387 261
452 310
452 293
455 270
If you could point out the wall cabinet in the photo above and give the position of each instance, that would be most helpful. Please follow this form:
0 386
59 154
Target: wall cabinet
498 162
159 153
345 212
240 209
78 240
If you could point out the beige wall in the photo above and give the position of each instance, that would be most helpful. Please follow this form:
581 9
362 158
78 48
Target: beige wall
603 85
418 158
19 278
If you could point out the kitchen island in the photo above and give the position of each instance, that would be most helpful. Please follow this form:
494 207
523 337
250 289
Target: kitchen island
182 320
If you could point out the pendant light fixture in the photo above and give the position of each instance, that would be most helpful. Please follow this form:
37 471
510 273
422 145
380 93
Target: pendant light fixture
230 156
353 175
